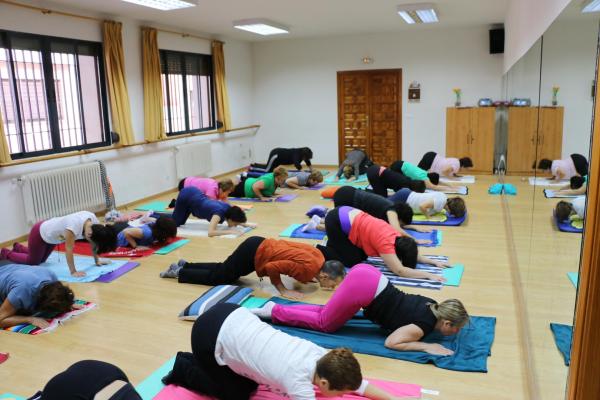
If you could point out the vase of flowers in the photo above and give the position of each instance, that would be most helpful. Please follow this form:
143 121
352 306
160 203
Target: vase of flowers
457 93
555 90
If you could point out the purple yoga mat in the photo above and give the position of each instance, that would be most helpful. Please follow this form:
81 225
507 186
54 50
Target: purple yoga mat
111 276
316 187
285 198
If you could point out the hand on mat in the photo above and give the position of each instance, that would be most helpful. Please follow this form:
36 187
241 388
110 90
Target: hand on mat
352 178
437 278
105 262
440 264
39 322
438 350
78 274
141 248
423 241
291 294
267 199
422 229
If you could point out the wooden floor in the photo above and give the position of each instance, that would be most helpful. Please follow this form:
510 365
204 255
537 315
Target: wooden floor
136 325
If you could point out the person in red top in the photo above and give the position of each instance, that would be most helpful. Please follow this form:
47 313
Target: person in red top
266 257
353 235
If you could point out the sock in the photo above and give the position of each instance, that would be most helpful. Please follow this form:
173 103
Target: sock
265 311
171 272
312 224
181 262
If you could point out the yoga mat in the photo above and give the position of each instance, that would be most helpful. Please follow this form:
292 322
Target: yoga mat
280 199
150 386
435 236
254 302
54 319
450 221
4 357
10 396
158 206
539 181
265 392
574 278
462 179
57 263
360 181
562 337
452 274
551 194
85 249
565 226
295 231
199 227
318 186
472 345
111 276
455 190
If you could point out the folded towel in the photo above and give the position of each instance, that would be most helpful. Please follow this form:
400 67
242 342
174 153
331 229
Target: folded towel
510 189
496 188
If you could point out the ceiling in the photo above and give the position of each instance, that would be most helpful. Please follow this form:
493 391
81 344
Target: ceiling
306 18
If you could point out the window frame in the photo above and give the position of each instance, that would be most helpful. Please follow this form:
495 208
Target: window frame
163 53
51 96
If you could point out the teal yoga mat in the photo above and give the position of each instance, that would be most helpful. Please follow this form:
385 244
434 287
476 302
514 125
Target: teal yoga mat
453 275
574 278
10 396
254 302
360 181
158 206
171 247
150 386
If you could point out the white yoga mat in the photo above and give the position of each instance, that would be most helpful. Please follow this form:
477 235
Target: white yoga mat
539 181
199 228
463 179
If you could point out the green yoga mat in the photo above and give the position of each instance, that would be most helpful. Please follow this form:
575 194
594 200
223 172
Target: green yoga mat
453 274
150 386
171 247
254 302
439 217
158 206
574 278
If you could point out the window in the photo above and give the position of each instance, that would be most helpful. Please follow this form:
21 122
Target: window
188 98
52 94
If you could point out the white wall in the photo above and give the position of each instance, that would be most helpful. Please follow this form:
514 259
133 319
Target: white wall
295 97
141 171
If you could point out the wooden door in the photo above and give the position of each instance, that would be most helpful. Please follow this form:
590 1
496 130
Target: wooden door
369 114
458 127
522 132
482 138
550 133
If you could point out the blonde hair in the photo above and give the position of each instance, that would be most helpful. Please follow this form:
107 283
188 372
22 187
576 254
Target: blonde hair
316 176
226 185
280 172
348 171
451 310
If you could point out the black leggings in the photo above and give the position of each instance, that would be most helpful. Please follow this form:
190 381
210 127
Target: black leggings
427 160
84 379
581 164
344 196
271 163
339 247
239 263
239 190
387 180
200 371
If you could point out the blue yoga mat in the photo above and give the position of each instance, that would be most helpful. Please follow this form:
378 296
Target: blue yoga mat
435 236
150 386
563 335
472 345
565 226
451 221
294 231
57 263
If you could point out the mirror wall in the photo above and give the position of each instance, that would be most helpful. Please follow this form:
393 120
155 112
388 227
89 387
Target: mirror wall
557 75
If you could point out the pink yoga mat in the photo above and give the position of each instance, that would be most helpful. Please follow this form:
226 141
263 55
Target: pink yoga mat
264 393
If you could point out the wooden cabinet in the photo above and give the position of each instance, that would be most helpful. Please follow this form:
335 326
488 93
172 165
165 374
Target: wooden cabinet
533 133
470 132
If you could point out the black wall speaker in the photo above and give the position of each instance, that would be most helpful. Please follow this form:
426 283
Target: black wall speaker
496 41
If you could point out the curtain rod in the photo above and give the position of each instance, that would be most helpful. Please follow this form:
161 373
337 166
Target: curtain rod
47 11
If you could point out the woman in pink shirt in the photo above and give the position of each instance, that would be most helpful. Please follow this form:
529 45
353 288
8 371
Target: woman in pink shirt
574 165
444 166
215 190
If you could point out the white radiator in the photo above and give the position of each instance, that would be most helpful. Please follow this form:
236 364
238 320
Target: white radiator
63 191
193 159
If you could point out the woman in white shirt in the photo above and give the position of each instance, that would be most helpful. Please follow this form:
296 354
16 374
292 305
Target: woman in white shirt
45 235
430 203
234 352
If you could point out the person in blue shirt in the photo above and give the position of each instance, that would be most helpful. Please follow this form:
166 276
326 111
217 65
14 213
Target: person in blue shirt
192 201
159 231
25 290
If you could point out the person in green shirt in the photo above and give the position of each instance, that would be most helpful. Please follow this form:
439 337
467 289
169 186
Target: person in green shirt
263 187
431 179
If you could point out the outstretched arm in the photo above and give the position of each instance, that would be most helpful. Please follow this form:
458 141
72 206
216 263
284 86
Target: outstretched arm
374 393
9 318
213 228
394 222
394 264
407 338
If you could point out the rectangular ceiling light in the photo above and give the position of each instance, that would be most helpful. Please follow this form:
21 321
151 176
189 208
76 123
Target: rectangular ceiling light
261 26
418 13
164 5
591 6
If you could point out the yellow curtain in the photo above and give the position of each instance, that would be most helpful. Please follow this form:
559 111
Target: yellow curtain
4 149
221 86
114 60
154 127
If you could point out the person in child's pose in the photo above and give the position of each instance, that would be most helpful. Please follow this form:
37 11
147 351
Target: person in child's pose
25 290
193 201
303 179
407 317
281 156
233 352
381 179
266 257
577 186
45 235
430 203
444 166
355 164
158 231
575 164
353 235
565 209
431 179
263 187
216 190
